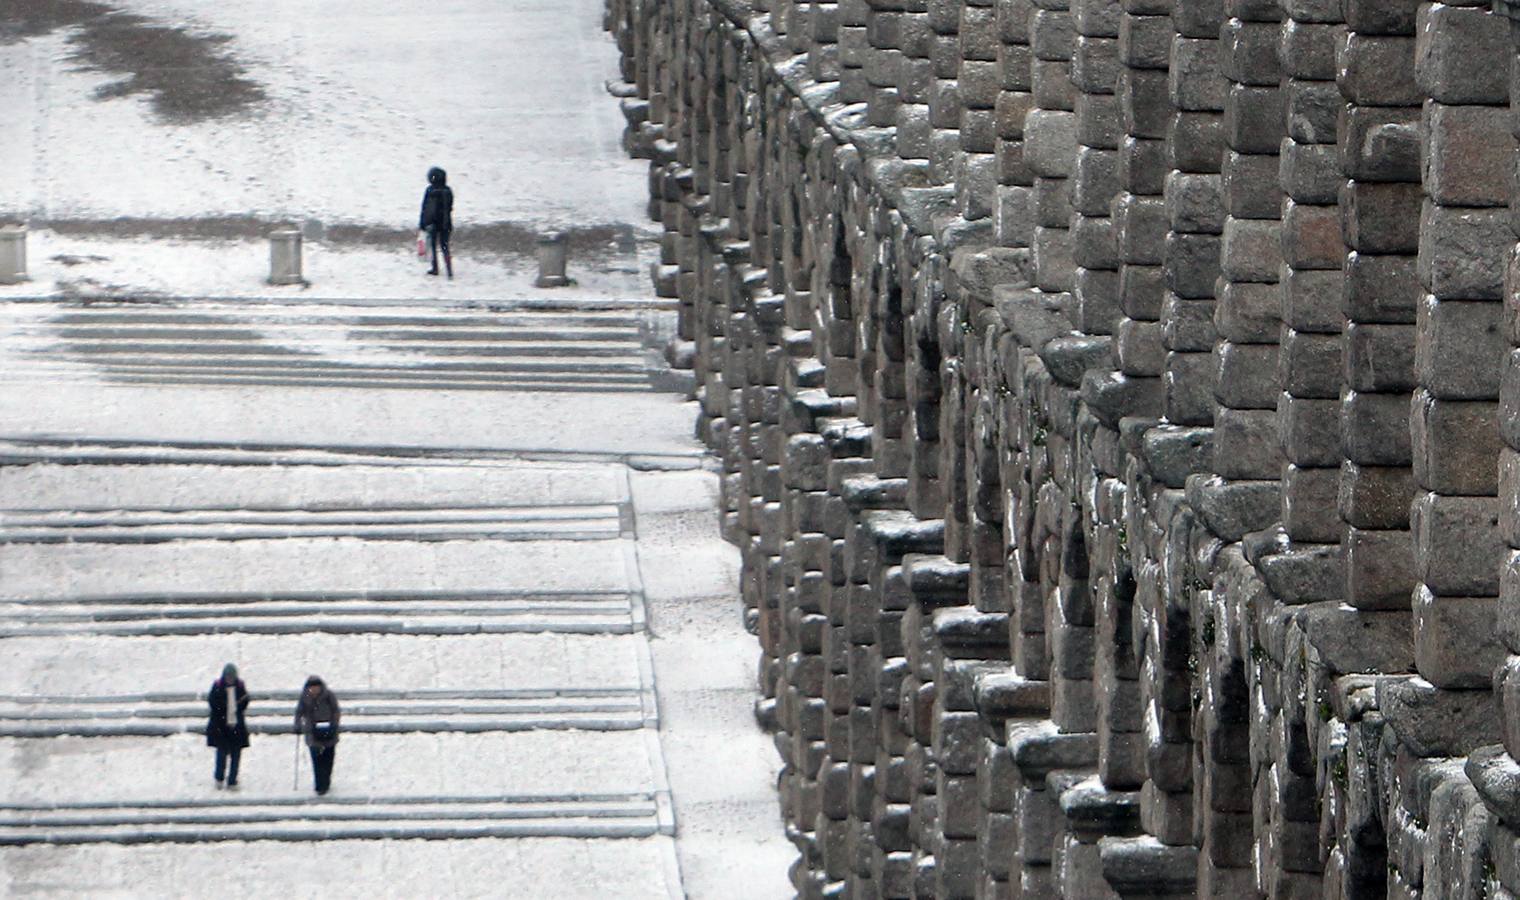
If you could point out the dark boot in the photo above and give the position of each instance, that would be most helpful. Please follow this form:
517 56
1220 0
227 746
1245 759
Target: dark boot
448 263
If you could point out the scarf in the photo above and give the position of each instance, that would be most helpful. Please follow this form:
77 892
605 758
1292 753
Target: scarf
232 706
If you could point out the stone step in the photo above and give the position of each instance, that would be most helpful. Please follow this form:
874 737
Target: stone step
229 344
192 357
163 376
315 315
175 769
242 327
588 522
282 482
354 663
566 371
322 566
30 450
397 614
641 869
317 347
229 818
364 712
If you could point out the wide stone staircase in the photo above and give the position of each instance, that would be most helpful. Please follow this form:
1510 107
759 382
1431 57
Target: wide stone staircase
351 346
479 614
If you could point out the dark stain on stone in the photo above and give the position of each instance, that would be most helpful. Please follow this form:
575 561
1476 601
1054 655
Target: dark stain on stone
187 77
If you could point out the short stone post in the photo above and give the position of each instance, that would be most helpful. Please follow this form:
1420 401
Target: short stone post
12 254
551 261
285 256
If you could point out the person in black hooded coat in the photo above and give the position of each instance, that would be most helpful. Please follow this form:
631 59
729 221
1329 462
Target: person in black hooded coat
437 217
227 725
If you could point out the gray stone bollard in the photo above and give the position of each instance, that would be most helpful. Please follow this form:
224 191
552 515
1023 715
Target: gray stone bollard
551 261
285 256
12 254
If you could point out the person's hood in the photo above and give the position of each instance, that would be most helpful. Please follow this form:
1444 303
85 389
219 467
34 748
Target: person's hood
314 680
437 177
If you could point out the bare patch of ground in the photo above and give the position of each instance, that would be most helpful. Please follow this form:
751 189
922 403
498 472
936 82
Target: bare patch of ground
199 228
33 18
498 237
504 238
88 289
187 77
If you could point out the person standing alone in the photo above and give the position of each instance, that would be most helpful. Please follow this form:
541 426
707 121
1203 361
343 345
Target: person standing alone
227 729
317 719
437 218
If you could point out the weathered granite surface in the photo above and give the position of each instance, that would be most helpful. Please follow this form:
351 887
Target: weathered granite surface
1175 552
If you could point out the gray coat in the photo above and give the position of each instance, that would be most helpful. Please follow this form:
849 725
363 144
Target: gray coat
321 708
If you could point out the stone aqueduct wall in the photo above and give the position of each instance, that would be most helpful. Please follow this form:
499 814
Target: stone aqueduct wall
1121 429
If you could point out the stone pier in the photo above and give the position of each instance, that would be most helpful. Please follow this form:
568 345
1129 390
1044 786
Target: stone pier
1118 412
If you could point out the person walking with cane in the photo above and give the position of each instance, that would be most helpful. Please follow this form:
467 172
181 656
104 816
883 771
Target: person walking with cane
227 727
317 719
437 219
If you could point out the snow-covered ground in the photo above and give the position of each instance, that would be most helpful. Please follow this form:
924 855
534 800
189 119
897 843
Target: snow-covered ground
374 475
359 98
64 266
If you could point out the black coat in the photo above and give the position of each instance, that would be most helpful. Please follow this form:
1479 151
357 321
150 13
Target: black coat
217 733
437 208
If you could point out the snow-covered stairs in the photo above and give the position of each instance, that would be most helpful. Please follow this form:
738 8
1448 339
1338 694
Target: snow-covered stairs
346 818
417 524
481 620
414 612
399 785
329 345
364 712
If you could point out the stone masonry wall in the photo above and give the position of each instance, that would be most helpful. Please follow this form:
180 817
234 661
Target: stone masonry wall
1119 405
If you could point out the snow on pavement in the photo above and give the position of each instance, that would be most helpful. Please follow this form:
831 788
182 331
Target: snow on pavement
360 101
163 216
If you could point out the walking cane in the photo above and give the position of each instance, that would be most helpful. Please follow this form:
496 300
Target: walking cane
295 773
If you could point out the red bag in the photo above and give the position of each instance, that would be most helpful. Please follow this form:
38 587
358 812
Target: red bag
421 245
